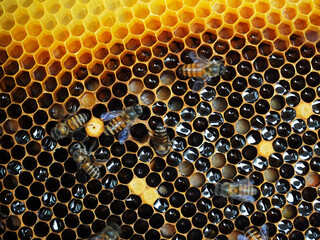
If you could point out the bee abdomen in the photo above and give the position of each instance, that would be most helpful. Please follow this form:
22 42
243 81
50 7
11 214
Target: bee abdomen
253 234
77 121
91 170
115 125
193 70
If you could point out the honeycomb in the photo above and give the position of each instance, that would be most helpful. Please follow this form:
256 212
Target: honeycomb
259 120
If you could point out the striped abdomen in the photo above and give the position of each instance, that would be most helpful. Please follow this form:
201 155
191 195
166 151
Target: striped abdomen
91 169
77 121
115 126
243 190
252 233
193 70
161 140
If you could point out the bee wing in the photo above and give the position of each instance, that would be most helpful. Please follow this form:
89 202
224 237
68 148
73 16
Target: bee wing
124 134
246 198
97 237
264 232
198 84
196 59
241 237
107 116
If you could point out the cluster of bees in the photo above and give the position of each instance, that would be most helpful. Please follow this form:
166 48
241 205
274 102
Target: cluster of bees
120 121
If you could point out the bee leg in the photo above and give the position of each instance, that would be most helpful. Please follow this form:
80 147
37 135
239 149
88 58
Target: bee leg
123 135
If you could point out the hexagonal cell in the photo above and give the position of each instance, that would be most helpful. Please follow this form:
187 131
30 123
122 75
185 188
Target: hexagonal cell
242 27
165 36
50 84
73 45
18 95
27 62
34 28
285 28
120 31
59 52
85 57
76 28
258 21
107 78
40 73
181 31
312 34
21 16
23 78
36 10
153 22
117 48
11 68
143 54
55 68
65 78
15 50
70 62
297 39
136 27
96 69
186 14
30 45
81 72
215 22
46 39
203 9
61 94
101 53
124 15
133 44
52 7
34 90
45 100
141 10
64 16
104 36
219 7
289 13
160 50
49 22
89 41
281 44
265 48
230 17
128 58
148 39
5 39
262 7
18 32
91 83
61 34
8 22
246 11
79 11
301 23
315 19
10 6
157 7
112 63
108 18
227 33
91 23
7 84
197 27
269 33
305 7
274 18
169 18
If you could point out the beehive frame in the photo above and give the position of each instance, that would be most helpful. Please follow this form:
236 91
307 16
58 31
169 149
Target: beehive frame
96 56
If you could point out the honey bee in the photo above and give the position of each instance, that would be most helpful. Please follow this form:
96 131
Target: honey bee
241 190
120 121
160 140
85 160
253 233
110 232
202 69
69 125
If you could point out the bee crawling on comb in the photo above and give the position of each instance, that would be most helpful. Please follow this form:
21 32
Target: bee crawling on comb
110 232
201 69
120 121
254 233
160 140
241 190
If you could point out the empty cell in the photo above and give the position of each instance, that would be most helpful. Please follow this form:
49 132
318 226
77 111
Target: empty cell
197 27
104 36
301 23
89 41
76 89
124 15
55 68
153 22
148 39
181 31
46 39
192 42
315 19
80 72
281 44
136 27
42 57
289 13
9 6
219 7
203 9
64 17
128 59
52 7
30 105
133 44
227 33
70 62
27 62
34 28
123 74
36 10
7 84
169 18
278 4
157 7
21 16
73 45
305 7
230 18
160 50
284 29
186 15
107 78
120 32
101 53
45 100
312 35
176 46
19 32
165 36
112 63
85 58
91 83
23 78
258 22
113 4
269 33
91 23
234 3
30 45
96 69
76 28
5 39
34 90
297 39
61 94
103 94
246 12
65 78
262 6
61 34
40 73
141 10
79 11
108 18
215 22
50 84
96 7
274 18
18 95
242 27
7 22
59 52
11 68
15 51
49 22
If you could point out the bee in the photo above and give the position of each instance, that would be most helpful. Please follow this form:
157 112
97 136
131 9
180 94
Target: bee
85 160
120 121
110 232
160 140
254 233
241 190
69 125
202 69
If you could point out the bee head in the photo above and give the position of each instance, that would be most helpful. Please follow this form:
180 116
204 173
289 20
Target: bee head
138 109
112 230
